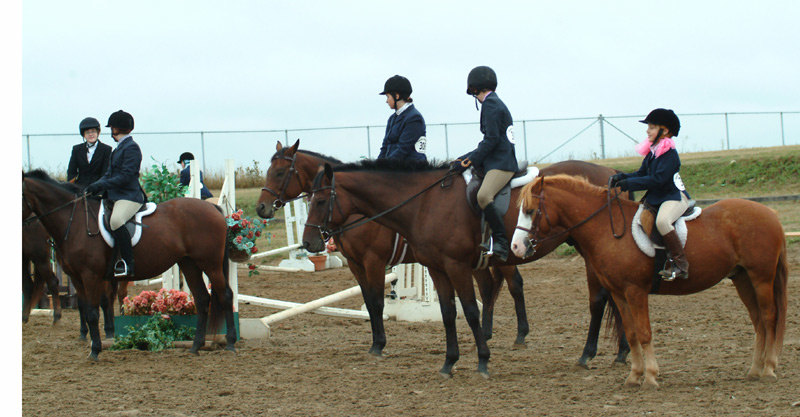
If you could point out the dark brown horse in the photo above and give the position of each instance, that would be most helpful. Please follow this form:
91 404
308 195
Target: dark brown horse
186 231
368 248
737 239
438 224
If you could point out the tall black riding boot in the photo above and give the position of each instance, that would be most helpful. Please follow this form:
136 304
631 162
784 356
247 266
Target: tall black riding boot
498 226
122 239
680 266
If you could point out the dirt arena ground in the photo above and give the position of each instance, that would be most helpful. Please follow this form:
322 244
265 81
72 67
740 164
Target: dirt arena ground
318 365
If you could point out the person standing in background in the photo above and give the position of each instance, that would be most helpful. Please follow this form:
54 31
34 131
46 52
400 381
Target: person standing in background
185 159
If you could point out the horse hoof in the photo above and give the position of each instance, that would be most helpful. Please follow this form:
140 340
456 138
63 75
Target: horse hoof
582 364
632 382
230 348
752 376
649 385
445 374
82 337
194 352
93 357
769 378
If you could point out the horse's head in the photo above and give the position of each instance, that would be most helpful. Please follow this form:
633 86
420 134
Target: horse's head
530 227
282 183
325 211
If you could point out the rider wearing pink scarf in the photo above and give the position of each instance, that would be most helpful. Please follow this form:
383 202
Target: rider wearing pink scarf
659 175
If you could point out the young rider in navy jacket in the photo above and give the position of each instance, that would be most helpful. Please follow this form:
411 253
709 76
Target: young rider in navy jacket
405 129
494 155
185 159
659 175
121 182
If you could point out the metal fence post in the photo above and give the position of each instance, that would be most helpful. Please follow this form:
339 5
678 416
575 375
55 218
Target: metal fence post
203 149
446 143
525 138
727 134
602 138
286 136
28 138
369 148
783 139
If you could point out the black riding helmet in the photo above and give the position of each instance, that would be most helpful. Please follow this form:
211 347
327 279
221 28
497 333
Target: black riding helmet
120 120
89 123
481 78
664 117
397 84
186 156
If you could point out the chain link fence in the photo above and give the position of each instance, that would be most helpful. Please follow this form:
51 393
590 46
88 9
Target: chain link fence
537 140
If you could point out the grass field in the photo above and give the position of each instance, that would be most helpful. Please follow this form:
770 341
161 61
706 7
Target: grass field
707 175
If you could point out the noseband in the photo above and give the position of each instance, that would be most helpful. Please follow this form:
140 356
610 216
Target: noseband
280 199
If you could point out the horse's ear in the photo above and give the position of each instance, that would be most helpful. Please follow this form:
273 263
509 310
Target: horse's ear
328 170
278 146
294 147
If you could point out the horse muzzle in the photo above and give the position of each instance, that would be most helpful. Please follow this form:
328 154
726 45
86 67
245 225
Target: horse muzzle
264 211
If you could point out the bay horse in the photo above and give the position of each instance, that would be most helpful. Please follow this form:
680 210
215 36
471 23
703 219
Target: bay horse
369 248
186 231
436 220
733 238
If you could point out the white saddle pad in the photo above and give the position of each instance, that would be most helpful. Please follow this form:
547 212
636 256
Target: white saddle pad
515 182
137 234
643 241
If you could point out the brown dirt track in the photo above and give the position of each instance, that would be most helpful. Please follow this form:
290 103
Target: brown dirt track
318 365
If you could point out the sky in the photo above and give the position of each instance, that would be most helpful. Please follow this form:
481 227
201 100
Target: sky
266 65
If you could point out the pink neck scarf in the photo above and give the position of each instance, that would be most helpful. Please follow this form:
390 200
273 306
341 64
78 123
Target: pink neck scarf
661 148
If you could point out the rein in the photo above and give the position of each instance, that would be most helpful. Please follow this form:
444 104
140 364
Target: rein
534 231
72 202
326 232
279 200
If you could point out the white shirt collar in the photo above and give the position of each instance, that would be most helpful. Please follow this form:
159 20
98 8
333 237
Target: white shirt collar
402 109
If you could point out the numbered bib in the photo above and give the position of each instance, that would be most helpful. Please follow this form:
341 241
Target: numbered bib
678 181
510 134
419 146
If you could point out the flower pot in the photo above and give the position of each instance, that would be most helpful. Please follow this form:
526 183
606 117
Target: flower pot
122 322
237 255
318 261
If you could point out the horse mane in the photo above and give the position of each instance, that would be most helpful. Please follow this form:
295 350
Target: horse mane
326 158
577 184
392 165
41 175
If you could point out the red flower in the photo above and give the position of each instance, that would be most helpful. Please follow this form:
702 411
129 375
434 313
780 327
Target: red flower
254 249
258 233
238 239
251 266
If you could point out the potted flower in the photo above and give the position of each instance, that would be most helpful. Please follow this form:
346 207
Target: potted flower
171 305
242 234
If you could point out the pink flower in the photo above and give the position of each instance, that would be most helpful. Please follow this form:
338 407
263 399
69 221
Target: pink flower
238 239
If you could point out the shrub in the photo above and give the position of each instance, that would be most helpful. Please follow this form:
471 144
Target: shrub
161 185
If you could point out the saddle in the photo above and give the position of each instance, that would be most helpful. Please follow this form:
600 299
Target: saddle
134 225
646 235
474 179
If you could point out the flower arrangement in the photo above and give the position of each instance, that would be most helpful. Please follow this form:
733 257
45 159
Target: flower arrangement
242 234
155 335
330 245
169 302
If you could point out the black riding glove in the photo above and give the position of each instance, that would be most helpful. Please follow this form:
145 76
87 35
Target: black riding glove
616 178
93 188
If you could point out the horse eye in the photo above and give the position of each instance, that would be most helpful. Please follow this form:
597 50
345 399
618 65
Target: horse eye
279 174
320 203
529 212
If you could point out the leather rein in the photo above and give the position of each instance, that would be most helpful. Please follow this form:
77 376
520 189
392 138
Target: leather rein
324 228
533 232
72 202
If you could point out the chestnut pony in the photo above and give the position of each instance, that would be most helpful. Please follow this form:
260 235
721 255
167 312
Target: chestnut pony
737 239
369 248
427 204
186 231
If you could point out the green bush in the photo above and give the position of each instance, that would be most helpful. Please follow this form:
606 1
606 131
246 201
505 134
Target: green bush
155 335
161 185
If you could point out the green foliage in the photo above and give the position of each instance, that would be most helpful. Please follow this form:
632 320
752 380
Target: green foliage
161 185
756 176
155 335
565 250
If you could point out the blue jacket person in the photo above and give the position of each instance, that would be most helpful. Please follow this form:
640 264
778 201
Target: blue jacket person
405 130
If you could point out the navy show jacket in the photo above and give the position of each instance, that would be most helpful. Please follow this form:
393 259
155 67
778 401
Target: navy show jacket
186 176
87 171
121 181
405 136
496 150
659 176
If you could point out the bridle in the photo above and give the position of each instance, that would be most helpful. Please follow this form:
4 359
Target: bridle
72 202
325 230
541 210
280 199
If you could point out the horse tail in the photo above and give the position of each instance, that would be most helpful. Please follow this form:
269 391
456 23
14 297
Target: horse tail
216 311
780 295
613 325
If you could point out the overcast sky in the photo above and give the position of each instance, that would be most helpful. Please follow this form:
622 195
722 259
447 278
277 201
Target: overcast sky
203 65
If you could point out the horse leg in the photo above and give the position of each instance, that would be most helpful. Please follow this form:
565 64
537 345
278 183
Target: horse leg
637 361
748 296
194 279
28 290
514 281
370 276
82 312
45 275
639 308
764 289
93 322
108 315
466 292
488 292
598 297
622 342
447 305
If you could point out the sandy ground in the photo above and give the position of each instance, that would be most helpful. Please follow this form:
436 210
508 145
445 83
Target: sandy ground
318 365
